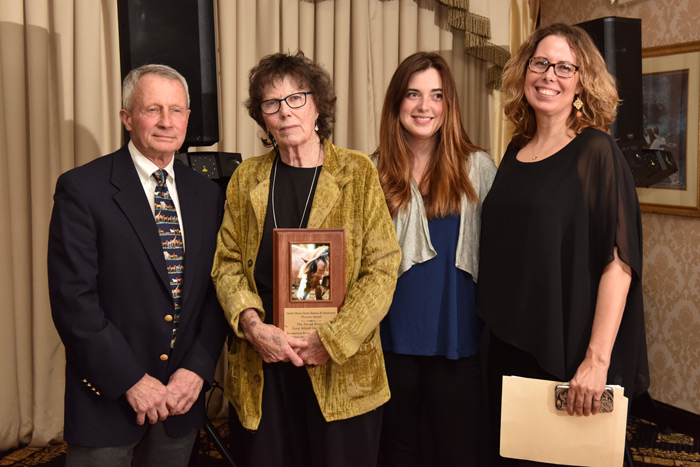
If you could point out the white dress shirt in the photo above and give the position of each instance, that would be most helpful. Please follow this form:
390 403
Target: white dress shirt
145 169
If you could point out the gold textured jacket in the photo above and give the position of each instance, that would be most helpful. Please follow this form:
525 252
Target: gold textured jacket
348 195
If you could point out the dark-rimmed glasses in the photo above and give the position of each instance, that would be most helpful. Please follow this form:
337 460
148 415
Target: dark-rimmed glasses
561 69
294 101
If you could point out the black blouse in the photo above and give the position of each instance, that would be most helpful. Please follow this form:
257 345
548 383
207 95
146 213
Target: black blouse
292 185
548 230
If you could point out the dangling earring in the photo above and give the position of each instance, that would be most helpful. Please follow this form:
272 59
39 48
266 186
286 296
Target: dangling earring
578 104
271 139
316 126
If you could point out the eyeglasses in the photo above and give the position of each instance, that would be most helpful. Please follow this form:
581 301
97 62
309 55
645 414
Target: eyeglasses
561 69
294 101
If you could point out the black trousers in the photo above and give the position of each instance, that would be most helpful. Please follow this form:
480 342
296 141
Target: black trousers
436 412
293 432
506 360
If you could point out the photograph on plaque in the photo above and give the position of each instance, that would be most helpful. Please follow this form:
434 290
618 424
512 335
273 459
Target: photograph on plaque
311 272
309 278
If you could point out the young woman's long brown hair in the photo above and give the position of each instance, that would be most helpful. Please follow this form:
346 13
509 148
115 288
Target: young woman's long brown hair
447 177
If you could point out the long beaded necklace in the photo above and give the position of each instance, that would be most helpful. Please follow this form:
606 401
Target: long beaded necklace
274 178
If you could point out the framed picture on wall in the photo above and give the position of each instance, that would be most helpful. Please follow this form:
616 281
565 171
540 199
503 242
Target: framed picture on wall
670 108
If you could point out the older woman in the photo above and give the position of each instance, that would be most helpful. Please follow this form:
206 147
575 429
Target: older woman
312 401
561 249
434 181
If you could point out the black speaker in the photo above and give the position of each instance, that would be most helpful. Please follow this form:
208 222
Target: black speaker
228 162
650 166
218 166
180 34
620 43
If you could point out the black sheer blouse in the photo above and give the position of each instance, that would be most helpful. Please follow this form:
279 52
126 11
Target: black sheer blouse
548 230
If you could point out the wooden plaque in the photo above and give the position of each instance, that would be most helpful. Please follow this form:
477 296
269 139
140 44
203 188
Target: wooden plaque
309 278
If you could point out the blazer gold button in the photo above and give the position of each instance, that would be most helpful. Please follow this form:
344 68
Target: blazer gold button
256 378
168 318
250 262
164 357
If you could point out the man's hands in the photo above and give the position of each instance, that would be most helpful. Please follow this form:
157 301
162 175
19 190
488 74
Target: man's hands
147 398
151 398
183 388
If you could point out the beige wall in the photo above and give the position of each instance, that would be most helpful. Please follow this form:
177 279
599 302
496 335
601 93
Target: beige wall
671 243
663 21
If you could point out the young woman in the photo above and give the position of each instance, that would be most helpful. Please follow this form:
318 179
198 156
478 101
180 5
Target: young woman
434 180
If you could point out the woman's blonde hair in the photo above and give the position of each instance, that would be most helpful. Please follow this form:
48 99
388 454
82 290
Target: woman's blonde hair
598 89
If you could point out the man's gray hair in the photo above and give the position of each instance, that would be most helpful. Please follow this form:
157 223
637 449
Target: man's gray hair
136 74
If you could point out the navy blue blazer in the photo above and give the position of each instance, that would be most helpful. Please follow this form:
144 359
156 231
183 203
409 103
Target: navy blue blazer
109 294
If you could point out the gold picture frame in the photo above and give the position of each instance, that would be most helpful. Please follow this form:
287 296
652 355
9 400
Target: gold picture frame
309 278
671 109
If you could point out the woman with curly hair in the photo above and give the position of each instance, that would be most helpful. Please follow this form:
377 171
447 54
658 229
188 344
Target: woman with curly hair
561 250
316 400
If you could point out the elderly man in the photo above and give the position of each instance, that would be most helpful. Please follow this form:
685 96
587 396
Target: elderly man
131 244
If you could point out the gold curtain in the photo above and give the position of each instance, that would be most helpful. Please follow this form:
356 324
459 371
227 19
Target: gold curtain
523 19
59 93
477 38
59 103
360 43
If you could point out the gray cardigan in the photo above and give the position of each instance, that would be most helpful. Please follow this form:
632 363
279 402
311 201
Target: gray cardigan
412 224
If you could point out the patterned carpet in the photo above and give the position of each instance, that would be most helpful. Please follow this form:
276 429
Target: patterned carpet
648 445
55 454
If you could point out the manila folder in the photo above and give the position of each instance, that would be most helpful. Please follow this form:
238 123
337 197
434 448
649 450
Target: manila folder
533 429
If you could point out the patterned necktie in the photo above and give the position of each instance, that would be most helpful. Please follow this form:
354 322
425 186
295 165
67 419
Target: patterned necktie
171 240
